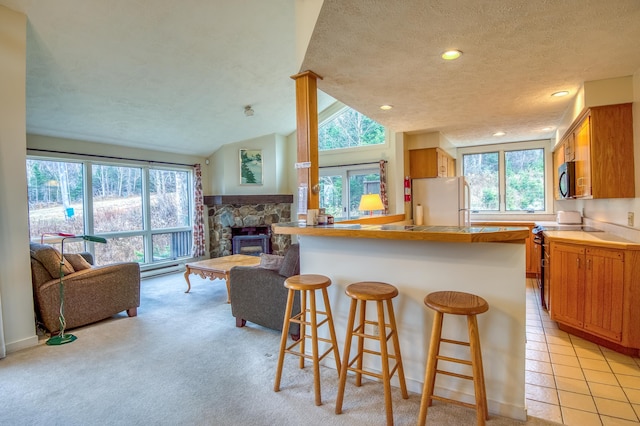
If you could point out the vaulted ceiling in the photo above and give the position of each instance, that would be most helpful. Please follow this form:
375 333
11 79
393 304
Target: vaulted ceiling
176 76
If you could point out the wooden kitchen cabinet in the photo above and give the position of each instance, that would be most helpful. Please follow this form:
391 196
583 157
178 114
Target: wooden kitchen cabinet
567 284
600 141
558 158
604 288
592 293
582 159
430 163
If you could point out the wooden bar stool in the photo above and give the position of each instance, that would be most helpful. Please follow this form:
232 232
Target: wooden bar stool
307 283
455 303
378 292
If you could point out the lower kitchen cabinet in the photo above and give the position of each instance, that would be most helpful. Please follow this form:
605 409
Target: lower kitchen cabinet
567 284
592 293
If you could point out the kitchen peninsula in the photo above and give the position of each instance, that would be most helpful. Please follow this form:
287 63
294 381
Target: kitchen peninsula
486 261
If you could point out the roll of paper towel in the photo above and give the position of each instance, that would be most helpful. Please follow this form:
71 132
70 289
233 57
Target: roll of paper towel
419 215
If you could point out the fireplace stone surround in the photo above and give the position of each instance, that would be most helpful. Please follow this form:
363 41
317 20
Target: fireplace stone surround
227 212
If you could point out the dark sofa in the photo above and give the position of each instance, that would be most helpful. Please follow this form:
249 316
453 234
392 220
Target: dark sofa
258 294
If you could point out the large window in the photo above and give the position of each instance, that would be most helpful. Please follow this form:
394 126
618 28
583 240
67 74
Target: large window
347 129
144 212
506 178
342 200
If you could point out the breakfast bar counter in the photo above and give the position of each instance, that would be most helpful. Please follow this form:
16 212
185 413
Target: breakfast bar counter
465 234
488 261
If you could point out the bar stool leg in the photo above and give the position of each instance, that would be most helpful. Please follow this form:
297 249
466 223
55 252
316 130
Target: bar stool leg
303 329
396 350
332 330
432 365
361 330
482 411
345 355
385 362
314 347
283 339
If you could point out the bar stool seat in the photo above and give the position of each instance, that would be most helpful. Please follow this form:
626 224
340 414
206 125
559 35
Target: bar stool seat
455 303
378 292
307 284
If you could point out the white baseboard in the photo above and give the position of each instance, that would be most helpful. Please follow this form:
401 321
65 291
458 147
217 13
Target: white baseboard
22 344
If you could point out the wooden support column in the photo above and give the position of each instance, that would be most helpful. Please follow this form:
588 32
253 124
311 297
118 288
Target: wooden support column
307 133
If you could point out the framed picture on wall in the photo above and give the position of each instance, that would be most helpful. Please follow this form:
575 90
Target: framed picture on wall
250 167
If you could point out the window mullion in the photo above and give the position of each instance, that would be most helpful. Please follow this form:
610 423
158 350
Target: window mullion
146 217
502 182
88 204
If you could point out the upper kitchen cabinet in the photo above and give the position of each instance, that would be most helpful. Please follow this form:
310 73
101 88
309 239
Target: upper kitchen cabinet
600 142
430 163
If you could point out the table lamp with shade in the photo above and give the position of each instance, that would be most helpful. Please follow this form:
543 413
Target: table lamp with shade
63 338
371 202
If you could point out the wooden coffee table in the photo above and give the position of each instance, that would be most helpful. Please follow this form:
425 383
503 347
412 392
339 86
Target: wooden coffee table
219 267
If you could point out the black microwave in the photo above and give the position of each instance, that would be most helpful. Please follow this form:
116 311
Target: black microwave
567 180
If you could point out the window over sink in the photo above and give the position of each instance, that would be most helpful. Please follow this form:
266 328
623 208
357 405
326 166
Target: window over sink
507 178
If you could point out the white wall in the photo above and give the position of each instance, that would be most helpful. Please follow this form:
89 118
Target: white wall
15 269
307 12
607 92
224 167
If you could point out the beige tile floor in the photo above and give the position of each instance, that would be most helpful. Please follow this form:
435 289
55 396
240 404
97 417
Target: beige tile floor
572 381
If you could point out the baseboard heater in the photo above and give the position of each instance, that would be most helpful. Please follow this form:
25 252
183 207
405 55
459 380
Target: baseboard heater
153 270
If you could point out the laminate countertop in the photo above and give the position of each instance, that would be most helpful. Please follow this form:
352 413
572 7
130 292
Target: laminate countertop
599 238
461 234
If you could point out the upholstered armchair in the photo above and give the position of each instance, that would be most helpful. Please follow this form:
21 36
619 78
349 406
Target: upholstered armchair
258 293
91 293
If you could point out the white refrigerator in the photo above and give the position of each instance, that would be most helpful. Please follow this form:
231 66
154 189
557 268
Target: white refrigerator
440 201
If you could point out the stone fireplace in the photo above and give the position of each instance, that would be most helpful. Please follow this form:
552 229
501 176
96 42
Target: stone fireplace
247 215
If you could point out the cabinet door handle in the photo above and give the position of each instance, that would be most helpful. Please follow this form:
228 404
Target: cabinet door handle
578 262
589 264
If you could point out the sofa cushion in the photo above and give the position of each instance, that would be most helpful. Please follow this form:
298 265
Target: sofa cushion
50 258
291 263
77 261
271 261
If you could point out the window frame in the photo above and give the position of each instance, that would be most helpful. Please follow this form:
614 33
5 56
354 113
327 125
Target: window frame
501 148
329 114
346 172
146 232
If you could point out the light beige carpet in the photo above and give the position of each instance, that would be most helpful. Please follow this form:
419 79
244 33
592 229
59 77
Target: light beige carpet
182 361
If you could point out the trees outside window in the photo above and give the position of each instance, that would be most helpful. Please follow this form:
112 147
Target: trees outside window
347 129
504 179
340 200
341 187
144 212
481 172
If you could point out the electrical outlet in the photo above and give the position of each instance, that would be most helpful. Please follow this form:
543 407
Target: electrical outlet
630 219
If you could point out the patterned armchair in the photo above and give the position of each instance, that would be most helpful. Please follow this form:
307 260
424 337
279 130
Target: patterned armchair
90 293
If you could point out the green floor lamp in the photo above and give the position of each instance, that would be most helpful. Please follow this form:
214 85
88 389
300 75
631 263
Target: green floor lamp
63 338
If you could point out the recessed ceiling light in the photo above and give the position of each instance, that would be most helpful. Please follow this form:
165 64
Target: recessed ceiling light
499 133
560 93
450 55
386 107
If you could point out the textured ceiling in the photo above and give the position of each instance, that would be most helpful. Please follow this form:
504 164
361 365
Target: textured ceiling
516 53
175 76
160 74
